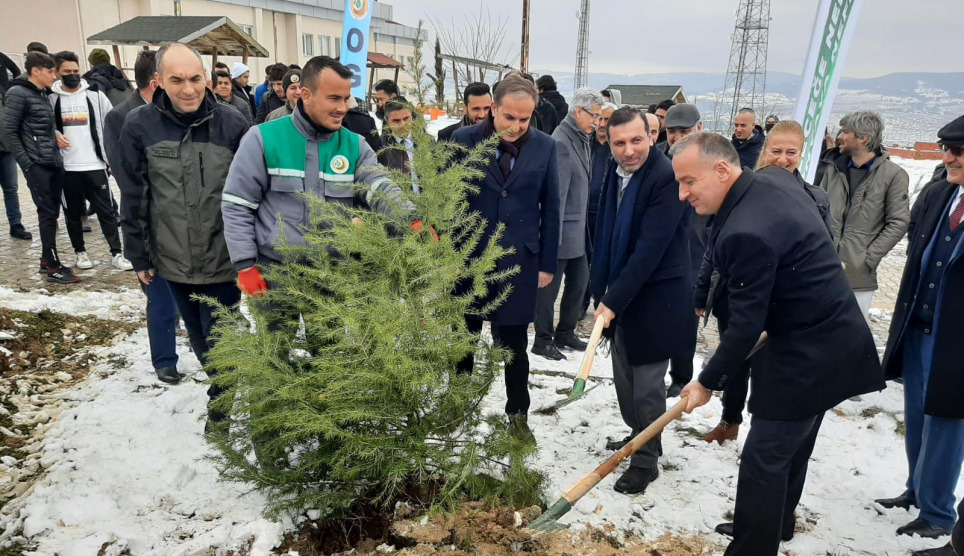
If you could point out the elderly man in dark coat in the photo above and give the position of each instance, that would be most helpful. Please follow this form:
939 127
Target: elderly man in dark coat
923 346
781 275
572 139
519 190
640 277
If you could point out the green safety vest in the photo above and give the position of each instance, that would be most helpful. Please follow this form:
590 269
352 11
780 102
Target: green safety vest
285 150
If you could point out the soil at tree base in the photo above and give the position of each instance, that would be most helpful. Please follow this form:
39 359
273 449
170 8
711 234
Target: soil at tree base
476 529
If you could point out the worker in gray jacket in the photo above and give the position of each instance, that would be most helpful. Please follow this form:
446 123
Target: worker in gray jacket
275 164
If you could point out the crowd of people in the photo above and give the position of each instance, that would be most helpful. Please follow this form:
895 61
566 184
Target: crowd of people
652 221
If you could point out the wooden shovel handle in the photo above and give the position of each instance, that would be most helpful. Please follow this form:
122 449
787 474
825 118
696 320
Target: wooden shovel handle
590 354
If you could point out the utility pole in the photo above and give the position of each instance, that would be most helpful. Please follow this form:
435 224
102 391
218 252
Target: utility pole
582 46
524 59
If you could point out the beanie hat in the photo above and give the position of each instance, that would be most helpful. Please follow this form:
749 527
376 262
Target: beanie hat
239 69
293 76
98 57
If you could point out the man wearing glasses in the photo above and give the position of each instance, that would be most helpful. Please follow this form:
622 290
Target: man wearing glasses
572 139
923 349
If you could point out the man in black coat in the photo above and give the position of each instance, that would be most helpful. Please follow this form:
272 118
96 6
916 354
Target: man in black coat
478 103
552 107
748 137
923 343
519 190
274 98
781 275
640 277
357 120
161 309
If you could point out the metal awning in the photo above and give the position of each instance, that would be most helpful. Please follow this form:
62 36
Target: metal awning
213 35
378 60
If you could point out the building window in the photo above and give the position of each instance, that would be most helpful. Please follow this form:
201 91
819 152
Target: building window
249 29
325 44
338 47
307 44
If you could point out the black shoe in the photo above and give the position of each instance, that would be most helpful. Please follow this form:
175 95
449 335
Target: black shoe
62 275
727 529
923 528
636 479
674 390
901 501
549 351
615 445
571 341
168 375
519 428
945 550
17 231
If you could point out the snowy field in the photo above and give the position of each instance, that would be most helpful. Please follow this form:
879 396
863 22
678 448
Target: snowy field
125 460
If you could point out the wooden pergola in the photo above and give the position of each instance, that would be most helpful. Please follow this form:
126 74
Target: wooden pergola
381 61
210 35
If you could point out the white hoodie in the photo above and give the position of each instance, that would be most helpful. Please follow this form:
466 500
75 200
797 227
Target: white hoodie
75 115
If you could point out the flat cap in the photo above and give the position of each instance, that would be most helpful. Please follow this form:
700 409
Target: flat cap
952 133
682 116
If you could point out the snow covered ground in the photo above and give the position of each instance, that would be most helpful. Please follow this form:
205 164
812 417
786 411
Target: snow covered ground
125 463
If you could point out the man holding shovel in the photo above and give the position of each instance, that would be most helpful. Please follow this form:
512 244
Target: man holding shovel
779 274
640 276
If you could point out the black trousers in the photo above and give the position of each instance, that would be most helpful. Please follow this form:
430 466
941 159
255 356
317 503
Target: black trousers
734 395
681 368
90 186
773 470
591 236
576 272
199 317
515 338
46 185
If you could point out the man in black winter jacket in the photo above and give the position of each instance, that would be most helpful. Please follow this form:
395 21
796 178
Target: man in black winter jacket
357 120
548 91
274 97
106 78
747 137
29 133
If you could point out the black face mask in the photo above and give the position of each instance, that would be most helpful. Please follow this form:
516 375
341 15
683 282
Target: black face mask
71 80
768 127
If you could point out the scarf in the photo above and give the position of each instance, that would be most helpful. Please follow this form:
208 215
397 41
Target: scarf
614 228
509 150
582 135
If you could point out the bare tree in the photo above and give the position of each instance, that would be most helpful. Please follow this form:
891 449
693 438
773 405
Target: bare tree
482 44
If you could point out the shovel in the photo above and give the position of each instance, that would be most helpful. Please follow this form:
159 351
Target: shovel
548 521
579 386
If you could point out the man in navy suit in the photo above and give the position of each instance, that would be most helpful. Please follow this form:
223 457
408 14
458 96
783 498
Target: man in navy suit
640 277
923 348
519 190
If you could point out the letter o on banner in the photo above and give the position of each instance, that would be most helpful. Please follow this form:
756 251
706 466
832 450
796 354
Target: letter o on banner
356 40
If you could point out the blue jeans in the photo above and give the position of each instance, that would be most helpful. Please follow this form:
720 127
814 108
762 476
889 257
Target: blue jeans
8 183
935 445
161 323
200 318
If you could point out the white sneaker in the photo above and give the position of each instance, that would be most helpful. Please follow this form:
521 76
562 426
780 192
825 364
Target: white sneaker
121 263
83 261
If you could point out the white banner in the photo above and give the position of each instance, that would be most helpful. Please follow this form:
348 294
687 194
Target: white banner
833 30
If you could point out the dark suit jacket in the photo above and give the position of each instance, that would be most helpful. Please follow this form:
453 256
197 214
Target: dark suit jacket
945 388
782 275
445 134
393 158
651 294
113 123
527 204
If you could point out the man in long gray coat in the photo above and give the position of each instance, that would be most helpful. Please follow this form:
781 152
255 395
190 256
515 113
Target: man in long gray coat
572 139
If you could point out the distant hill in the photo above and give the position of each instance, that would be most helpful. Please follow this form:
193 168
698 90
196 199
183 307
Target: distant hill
913 104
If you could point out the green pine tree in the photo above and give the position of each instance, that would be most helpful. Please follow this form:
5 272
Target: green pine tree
365 402
416 69
438 78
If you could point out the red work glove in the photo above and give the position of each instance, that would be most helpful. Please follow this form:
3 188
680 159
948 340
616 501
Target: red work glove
251 282
417 226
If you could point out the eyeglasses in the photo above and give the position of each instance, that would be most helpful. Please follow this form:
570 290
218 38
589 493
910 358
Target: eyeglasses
955 150
595 117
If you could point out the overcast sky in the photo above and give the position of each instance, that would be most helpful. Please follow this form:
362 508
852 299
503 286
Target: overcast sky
657 36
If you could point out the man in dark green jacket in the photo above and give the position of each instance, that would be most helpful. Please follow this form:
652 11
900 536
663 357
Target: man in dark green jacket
176 152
